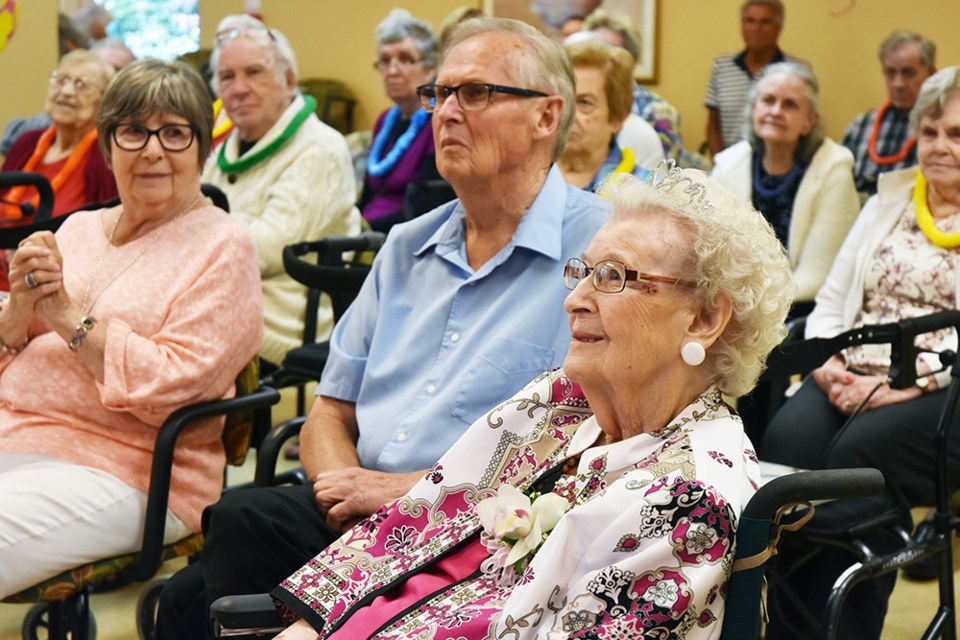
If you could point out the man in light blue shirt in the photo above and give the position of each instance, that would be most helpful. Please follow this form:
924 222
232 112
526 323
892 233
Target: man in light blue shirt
463 307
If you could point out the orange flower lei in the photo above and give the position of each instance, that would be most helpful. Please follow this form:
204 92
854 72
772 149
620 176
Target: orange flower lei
76 158
875 134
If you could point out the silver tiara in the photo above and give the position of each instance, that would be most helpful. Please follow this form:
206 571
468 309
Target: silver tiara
668 176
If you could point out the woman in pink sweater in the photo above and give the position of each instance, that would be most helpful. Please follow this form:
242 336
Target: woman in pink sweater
120 318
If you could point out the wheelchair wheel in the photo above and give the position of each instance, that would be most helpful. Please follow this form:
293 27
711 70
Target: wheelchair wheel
36 624
147 607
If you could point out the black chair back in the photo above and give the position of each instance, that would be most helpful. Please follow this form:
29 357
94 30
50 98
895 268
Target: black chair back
332 274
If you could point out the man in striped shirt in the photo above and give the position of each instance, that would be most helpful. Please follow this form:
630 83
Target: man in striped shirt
761 22
880 139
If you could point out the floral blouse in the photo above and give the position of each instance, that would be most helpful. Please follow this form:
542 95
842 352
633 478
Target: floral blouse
908 277
647 546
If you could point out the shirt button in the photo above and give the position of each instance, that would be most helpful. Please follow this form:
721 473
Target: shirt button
431 388
401 437
454 337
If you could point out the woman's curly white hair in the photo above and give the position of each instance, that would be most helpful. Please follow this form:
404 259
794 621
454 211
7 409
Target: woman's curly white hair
735 253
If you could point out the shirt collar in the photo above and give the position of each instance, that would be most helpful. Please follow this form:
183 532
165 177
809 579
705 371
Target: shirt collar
741 59
540 228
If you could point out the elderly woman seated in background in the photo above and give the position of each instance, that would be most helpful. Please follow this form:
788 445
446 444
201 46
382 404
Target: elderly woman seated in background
604 77
900 261
120 318
800 180
640 467
66 152
402 152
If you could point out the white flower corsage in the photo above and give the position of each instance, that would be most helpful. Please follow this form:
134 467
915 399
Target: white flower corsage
514 527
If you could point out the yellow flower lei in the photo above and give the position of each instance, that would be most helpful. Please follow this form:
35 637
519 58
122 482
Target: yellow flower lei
925 218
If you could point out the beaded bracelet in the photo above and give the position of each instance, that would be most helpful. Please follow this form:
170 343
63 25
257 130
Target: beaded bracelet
15 349
80 332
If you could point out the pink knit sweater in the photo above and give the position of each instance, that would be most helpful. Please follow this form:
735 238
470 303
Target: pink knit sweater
181 323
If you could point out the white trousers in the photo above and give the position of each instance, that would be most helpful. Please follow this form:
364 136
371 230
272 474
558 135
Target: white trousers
56 515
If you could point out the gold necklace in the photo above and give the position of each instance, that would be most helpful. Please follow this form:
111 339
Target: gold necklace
96 269
925 218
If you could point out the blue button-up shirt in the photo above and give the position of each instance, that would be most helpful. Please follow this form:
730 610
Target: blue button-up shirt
429 345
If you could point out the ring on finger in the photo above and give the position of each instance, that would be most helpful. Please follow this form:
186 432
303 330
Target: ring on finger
31 280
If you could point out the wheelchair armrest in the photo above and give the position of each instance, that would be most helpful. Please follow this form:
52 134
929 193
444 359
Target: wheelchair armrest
245 615
158 495
821 484
269 450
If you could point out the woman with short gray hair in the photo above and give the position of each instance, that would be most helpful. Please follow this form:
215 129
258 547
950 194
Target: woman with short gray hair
402 152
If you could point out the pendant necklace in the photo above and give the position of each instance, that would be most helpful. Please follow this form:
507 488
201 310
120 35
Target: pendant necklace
96 269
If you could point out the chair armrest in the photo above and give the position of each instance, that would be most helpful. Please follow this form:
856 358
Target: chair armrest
10 179
158 494
268 453
245 615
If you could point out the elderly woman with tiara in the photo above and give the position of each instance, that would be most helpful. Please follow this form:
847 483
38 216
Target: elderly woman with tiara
402 151
603 499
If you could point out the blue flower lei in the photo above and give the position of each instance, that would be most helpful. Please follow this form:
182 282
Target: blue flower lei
377 166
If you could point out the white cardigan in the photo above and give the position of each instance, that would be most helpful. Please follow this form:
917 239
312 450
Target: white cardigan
304 191
824 209
841 297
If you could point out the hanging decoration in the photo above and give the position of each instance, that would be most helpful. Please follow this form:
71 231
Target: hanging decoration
9 17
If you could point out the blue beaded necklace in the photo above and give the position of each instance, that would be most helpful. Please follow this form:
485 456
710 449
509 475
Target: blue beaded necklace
378 166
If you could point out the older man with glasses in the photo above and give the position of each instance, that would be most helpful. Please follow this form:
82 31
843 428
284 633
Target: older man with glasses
462 309
288 176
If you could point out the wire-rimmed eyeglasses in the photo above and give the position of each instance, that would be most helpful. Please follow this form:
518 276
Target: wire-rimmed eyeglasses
471 96
80 85
611 276
230 34
172 137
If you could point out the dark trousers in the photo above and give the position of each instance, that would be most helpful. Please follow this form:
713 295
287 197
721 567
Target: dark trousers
254 538
896 439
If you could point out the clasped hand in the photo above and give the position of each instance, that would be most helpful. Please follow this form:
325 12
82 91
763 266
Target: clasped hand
39 256
847 390
347 496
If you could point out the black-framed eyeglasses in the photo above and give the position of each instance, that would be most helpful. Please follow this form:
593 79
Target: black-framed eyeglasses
403 61
611 276
471 96
172 137
230 34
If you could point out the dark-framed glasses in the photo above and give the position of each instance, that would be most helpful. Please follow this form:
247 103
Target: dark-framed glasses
80 85
611 276
172 137
472 96
403 61
230 34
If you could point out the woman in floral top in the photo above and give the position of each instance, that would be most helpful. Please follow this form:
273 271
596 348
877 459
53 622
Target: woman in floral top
602 500
899 261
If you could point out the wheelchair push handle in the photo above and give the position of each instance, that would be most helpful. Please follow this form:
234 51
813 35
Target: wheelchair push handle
821 484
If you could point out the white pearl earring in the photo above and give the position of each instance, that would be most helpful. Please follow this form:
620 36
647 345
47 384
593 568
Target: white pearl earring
693 353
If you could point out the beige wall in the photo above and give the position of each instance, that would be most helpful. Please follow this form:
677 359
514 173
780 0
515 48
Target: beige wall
334 38
27 61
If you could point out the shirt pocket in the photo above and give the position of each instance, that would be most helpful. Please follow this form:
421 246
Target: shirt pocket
500 370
